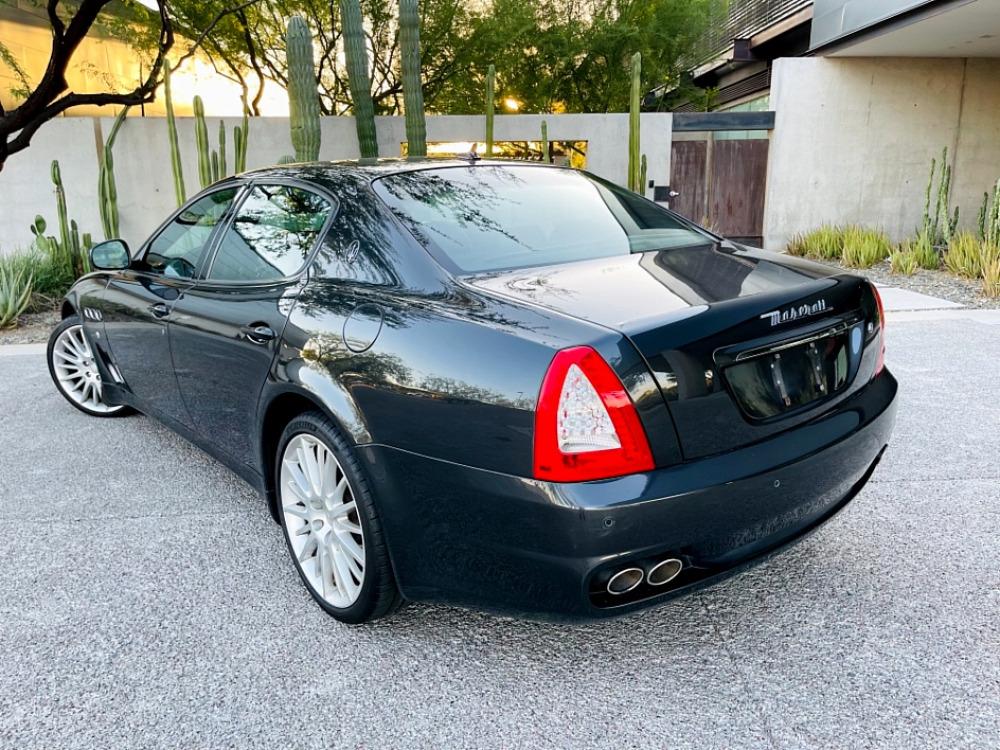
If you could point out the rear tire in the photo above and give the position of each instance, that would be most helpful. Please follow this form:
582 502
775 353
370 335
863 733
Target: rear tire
330 522
72 365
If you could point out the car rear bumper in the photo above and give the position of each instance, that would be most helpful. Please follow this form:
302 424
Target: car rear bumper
498 542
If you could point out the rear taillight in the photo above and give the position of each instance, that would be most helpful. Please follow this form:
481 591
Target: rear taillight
880 361
586 426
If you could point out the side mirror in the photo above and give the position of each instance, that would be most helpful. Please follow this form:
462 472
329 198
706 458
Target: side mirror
112 255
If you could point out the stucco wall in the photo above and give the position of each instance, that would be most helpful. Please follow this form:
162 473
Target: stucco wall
145 182
854 138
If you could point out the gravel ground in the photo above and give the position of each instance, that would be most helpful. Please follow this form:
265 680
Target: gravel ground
32 328
965 292
148 602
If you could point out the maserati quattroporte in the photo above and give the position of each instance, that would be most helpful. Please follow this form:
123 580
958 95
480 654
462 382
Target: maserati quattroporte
505 385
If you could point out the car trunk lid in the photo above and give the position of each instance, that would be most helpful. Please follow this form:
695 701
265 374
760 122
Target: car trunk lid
743 344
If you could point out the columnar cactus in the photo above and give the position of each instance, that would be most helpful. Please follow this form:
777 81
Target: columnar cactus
223 171
64 236
107 189
175 152
303 99
68 251
240 135
545 142
413 94
491 75
642 175
201 141
633 125
356 55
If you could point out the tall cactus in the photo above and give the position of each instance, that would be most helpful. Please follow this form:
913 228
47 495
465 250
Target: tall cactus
545 142
223 171
356 55
175 152
64 237
68 252
491 77
642 175
201 141
633 125
107 189
240 136
303 98
413 94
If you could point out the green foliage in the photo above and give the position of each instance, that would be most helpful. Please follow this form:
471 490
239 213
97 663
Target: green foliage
16 286
963 255
212 165
241 134
356 56
175 152
633 123
990 264
413 94
902 261
107 189
863 248
825 243
939 223
303 99
989 216
924 251
491 74
67 254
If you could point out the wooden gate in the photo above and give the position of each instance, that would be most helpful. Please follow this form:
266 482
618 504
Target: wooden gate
720 184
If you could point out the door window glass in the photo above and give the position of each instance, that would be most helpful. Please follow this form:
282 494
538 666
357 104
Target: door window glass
272 234
177 249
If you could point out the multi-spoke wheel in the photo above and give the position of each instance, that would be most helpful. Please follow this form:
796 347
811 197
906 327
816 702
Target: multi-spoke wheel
75 373
330 522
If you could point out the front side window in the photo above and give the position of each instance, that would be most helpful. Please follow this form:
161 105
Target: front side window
489 218
271 236
177 250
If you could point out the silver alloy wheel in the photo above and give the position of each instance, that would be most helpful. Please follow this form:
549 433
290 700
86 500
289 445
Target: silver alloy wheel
322 521
76 371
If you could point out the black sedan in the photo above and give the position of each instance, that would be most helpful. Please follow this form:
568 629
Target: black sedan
504 385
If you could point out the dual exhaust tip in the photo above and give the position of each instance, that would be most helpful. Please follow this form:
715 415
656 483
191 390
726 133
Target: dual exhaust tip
660 574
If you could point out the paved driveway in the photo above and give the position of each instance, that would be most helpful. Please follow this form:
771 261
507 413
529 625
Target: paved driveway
146 601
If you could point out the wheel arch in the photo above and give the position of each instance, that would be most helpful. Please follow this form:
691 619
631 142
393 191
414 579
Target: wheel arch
68 309
277 410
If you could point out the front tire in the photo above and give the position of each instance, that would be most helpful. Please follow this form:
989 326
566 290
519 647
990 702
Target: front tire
330 522
74 370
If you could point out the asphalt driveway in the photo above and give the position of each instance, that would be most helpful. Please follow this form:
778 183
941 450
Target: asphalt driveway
146 600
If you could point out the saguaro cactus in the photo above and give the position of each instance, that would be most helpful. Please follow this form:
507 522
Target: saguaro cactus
175 152
356 55
413 93
107 189
491 76
633 125
303 99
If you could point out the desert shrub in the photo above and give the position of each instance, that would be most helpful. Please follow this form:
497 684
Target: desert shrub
825 243
963 255
989 260
924 251
902 261
863 248
16 285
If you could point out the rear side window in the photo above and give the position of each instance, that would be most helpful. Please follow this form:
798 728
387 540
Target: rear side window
271 235
490 217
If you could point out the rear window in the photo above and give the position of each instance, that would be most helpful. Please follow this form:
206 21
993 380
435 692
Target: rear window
489 218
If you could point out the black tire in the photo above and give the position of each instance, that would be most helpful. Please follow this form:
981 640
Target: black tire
379 595
70 322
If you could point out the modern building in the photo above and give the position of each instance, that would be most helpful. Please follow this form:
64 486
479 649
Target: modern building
864 94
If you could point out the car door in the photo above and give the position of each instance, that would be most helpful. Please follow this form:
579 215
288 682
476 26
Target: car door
138 301
225 329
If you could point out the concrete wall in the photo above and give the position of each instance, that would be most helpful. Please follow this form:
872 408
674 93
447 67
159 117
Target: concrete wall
145 182
854 138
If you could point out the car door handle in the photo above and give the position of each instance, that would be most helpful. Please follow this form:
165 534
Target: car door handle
159 310
259 334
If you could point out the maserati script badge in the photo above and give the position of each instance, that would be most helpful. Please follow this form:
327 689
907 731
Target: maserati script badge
795 313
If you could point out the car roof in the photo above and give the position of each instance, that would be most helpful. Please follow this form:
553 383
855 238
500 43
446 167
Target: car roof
327 171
